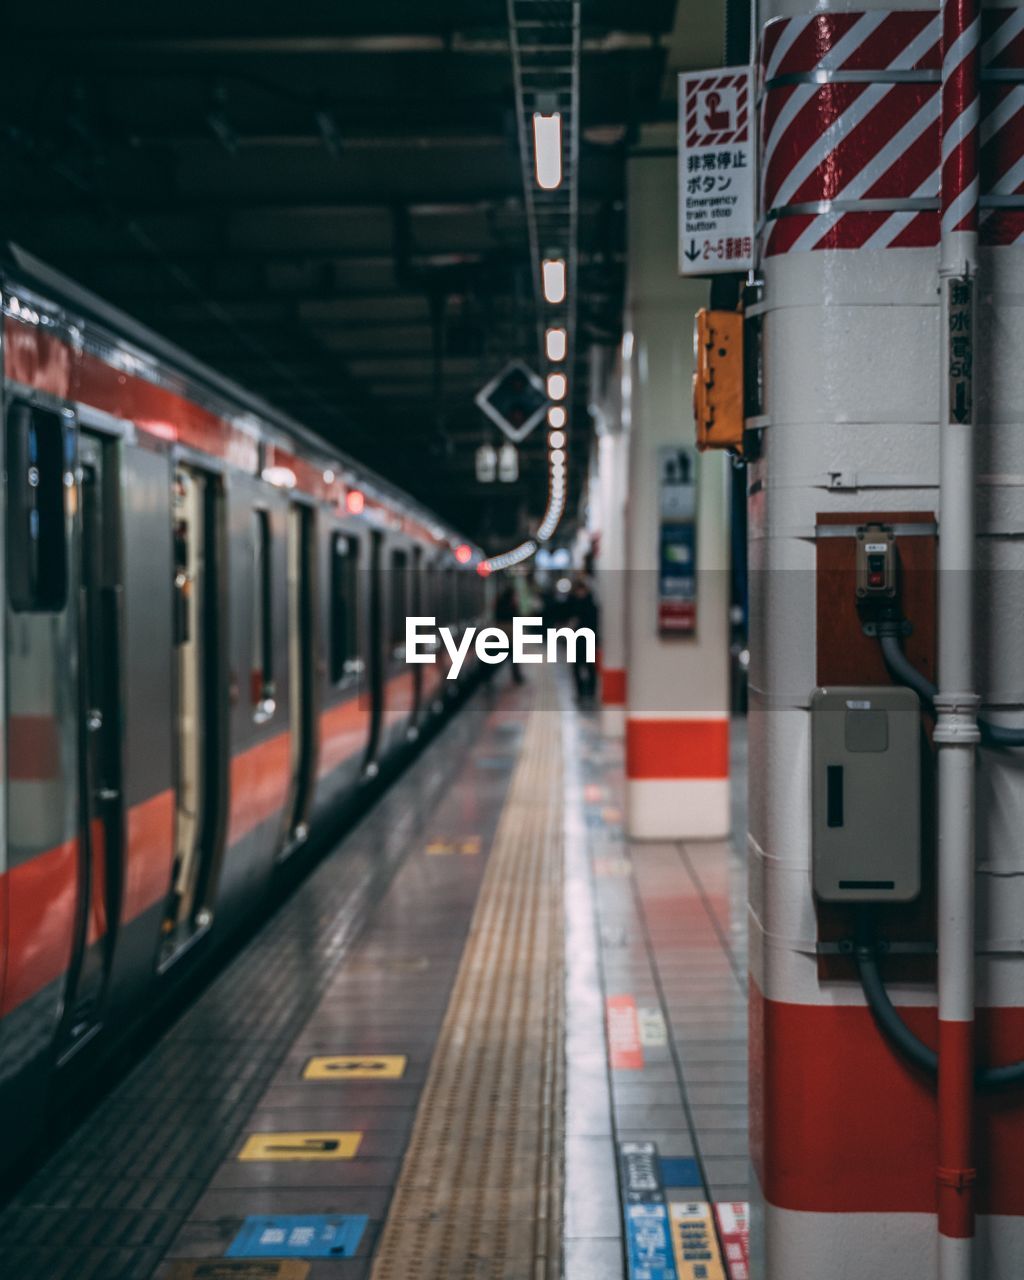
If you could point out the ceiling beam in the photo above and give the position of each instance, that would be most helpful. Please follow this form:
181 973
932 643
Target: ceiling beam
92 45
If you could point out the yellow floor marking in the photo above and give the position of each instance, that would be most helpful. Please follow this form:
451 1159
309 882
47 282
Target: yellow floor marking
316 1145
694 1242
439 847
480 1192
355 1066
240 1269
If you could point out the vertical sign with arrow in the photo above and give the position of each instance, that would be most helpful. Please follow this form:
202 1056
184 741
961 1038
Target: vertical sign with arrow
960 348
716 171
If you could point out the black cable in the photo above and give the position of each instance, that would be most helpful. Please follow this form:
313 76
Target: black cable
903 670
896 1030
882 1009
905 673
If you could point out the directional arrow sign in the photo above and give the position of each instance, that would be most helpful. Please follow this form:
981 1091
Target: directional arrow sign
961 407
353 1066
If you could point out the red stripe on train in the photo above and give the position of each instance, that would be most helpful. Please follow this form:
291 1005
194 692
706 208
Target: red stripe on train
260 778
344 732
150 842
41 360
40 931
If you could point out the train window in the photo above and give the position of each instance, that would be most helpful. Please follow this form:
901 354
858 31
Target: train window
37 573
399 578
263 690
344 605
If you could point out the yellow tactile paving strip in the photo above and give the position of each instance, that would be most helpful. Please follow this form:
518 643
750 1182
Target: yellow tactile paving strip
479 1196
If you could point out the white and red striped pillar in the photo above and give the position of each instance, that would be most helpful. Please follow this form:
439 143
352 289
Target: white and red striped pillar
862 1163
613 472
677 685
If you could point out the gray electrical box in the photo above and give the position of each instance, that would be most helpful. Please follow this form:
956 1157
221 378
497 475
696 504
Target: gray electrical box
866 799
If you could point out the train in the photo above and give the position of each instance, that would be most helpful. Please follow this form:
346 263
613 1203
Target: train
203 660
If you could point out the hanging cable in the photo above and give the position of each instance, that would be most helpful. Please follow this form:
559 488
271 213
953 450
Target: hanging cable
893 1027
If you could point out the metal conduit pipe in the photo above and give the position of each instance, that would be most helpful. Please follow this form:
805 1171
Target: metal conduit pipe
956 703
905 673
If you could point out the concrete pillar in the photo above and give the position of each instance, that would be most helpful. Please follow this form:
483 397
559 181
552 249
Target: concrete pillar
677 685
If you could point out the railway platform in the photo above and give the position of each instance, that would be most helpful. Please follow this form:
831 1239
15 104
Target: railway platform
487 1036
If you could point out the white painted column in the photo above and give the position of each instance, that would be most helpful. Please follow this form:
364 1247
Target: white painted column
613 465
677 687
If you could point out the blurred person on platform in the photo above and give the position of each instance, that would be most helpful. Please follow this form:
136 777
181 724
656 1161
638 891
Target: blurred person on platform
506 606
581 611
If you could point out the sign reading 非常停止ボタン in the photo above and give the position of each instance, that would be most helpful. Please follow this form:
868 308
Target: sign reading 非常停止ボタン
716 171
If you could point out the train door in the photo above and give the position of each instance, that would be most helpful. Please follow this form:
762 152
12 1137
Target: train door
415 606
198 723
378 654
99 705
302 662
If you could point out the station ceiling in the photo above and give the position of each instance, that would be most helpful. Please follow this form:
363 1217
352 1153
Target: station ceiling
325 202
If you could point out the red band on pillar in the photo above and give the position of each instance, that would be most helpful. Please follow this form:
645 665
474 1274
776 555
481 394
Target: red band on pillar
669 749
956 1175
613 687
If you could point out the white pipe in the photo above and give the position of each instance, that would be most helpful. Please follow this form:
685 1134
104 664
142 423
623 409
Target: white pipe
956 704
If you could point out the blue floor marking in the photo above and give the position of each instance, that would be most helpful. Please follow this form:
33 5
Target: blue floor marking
648 1238
680 1172
299 1235
650 1244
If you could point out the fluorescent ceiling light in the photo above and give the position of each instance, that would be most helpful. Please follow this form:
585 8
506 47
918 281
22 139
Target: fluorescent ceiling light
553 278
547 150
556 416
557 439
557 386
556 343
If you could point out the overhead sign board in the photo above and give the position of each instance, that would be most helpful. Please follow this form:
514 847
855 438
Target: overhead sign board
515 400
716 171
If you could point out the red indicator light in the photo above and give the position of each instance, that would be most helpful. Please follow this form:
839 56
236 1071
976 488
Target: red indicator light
355 501
483 569
463 553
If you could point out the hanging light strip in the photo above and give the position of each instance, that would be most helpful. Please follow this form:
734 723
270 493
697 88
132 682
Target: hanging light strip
509 558
544 37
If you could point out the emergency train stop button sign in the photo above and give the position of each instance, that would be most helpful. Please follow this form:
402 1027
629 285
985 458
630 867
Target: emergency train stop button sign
716 171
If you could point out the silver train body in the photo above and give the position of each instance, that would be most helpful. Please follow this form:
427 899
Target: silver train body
204 617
